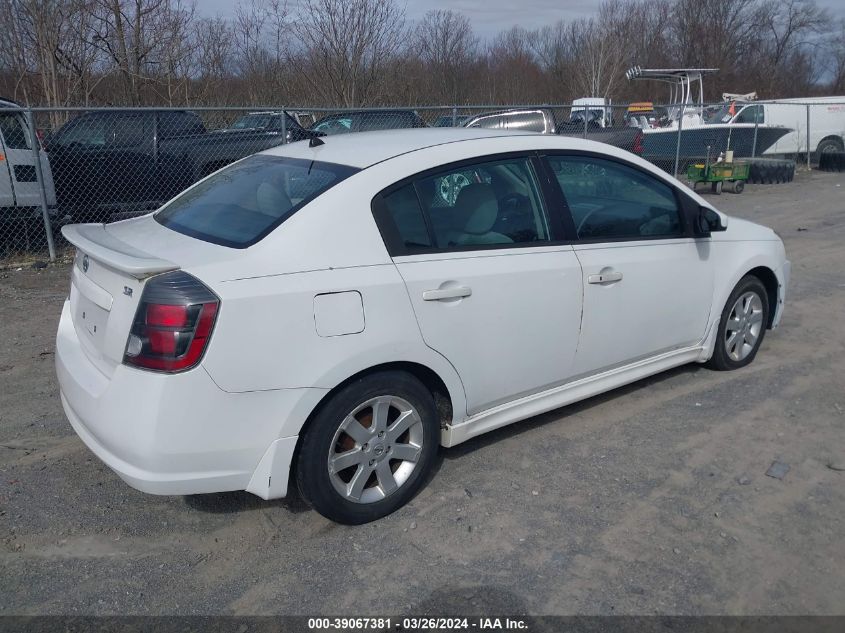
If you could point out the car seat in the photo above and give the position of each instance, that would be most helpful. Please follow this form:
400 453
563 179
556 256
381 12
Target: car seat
272 200
478 209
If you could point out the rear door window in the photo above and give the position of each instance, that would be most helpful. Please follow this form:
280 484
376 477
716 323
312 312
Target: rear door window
242 203
487 204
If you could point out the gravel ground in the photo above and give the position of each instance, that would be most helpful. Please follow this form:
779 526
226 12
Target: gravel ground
650 499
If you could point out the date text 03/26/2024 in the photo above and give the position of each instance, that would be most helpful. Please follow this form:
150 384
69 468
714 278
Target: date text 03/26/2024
415 624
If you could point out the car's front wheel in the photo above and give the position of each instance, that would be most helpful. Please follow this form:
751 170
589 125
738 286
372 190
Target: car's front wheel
369 448
742 325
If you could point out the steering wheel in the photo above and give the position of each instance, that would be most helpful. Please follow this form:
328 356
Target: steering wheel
512 202
583 221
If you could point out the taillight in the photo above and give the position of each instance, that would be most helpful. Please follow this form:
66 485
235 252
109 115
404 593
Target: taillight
638 144
173 323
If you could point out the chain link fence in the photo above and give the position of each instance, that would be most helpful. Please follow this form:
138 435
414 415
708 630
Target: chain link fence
65 165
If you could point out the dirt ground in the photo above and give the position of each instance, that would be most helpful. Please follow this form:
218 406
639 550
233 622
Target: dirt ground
650 499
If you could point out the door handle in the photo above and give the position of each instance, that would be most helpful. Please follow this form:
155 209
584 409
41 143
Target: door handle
604 278
454 292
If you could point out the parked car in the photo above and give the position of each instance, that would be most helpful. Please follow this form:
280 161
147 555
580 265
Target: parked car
537 120
130 162
321 311
367 121
542 121
272 123
447 120
20 192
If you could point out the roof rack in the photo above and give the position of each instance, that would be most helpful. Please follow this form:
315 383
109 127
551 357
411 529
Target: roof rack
681 85
732 96
668 74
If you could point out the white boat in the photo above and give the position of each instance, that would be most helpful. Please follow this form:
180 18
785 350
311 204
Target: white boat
703 132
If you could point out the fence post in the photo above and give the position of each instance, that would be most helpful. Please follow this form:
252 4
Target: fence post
678 142
284 125
454 116
39 173
808 137
756 123
585 121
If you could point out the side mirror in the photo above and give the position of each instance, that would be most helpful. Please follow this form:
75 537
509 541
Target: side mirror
707 221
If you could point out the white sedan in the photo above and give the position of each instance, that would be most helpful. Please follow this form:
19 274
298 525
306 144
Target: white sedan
331 312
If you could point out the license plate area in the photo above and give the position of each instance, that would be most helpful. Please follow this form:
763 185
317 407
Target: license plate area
87 301
91 319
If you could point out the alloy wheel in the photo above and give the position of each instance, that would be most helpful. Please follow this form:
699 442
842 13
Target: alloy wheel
375 449
745 323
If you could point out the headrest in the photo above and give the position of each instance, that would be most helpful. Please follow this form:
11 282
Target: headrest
272 200
477 204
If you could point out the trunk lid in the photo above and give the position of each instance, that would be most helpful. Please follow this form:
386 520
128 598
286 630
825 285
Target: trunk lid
107 280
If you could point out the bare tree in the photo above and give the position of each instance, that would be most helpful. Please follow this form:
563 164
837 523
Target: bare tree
346 44
445 43
513 74
791 28
357 52
213 59
835 44
176 50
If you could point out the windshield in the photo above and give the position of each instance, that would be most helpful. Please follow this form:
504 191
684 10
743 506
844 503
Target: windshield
334 125
252 122
244 202
578 116
717 113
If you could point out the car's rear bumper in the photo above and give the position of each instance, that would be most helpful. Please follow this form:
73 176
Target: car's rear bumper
179 433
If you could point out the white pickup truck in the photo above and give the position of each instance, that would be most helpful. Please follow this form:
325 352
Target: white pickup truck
20 192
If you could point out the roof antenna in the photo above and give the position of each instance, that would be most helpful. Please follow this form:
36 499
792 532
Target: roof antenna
315 141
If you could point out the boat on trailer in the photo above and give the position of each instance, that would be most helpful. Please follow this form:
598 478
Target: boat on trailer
703 133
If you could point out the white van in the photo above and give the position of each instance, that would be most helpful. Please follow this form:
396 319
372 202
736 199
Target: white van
827 123
20 193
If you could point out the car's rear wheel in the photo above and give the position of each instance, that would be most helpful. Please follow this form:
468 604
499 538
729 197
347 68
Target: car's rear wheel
742 325
369 448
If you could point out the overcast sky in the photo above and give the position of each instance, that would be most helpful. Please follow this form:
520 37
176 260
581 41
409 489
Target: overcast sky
491 16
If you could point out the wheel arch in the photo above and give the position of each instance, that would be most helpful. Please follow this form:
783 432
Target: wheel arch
770 281
427 376
443 400
832 137
762 266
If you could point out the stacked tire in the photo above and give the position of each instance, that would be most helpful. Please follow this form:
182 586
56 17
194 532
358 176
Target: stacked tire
832 161
770 171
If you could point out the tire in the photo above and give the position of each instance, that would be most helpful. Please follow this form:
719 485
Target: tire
739 186
716 188
373 484
768 171
829 145
750 323
832 161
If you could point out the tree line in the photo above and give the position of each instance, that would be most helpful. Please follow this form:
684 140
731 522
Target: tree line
357 53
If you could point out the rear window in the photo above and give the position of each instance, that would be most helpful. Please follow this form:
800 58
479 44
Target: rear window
242 203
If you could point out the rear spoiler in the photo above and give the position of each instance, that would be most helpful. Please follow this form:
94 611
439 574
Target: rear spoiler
94 240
